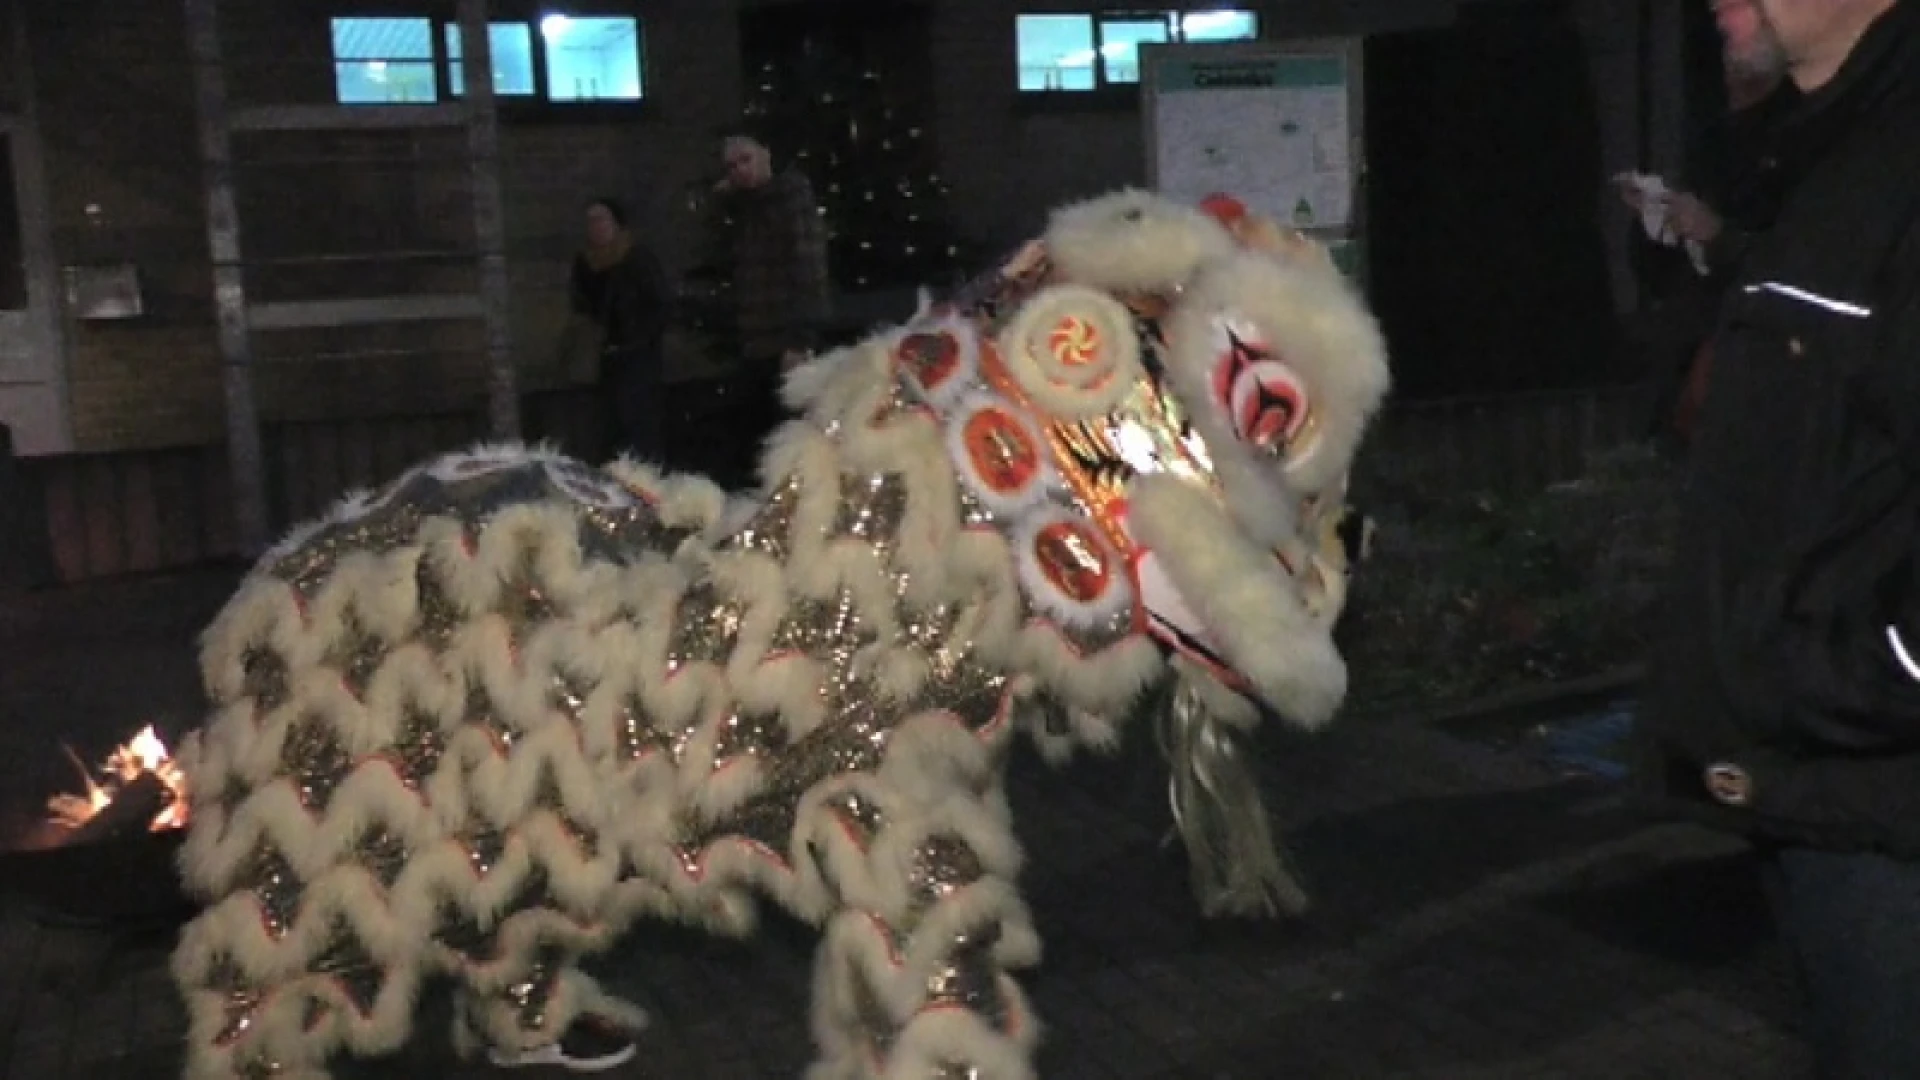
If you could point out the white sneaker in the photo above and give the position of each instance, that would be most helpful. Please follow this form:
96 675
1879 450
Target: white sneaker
590 1045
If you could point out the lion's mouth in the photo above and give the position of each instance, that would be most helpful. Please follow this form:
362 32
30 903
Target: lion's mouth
1173 622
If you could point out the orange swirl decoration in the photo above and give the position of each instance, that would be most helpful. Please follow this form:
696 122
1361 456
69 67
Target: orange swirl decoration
1072 351
1074 342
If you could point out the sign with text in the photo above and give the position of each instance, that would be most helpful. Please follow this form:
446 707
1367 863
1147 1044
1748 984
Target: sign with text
1275 124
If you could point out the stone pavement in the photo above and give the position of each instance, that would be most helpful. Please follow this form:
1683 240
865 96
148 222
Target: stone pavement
1482 912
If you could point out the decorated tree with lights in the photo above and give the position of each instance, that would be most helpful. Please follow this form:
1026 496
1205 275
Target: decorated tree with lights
856 130
845 100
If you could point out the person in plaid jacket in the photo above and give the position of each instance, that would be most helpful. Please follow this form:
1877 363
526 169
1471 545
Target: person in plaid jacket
779 273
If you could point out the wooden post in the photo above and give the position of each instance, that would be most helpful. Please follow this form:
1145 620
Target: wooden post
229 285
489 219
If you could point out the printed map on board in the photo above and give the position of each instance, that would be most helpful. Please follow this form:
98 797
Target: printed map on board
1273 131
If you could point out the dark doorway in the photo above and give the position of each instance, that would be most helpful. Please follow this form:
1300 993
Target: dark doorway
1487 259
13 257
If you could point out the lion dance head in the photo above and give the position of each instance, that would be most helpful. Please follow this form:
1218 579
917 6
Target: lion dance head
1162 403
1159 405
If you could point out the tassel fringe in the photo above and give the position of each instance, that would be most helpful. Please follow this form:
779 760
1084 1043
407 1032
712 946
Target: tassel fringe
1237 869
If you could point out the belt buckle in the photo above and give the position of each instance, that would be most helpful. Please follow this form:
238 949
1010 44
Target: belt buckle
1729 783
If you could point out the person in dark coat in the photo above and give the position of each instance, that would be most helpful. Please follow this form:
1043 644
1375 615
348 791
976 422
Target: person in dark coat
781 290
618 284
1783 700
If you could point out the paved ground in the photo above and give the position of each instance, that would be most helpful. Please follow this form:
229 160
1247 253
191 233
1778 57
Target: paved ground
1484 912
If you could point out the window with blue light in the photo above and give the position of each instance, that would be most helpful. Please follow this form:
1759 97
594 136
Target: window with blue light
1056 52
1199 26
383 61
592 58
1069 52
1120 41
557 57
511 49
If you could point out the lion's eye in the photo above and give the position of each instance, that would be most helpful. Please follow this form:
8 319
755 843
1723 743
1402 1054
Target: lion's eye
1264 402
1269 409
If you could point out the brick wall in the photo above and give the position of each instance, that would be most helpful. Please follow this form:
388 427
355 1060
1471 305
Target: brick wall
115 104
118 116
1005 168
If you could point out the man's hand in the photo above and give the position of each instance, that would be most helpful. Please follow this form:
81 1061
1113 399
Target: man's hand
1627 185
1692 219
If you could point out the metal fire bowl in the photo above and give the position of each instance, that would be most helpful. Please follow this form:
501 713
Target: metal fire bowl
121 882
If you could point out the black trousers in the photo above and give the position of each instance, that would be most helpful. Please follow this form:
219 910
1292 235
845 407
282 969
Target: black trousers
754 414
1852 923
631 392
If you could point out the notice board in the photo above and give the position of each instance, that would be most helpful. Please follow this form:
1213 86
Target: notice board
1275 124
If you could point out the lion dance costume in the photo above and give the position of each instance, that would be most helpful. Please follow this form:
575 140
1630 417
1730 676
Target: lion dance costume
474 724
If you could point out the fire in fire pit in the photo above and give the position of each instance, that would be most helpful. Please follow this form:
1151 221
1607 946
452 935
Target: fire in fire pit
109 852
140 781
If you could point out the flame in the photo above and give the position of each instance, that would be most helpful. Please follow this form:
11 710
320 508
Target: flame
144 753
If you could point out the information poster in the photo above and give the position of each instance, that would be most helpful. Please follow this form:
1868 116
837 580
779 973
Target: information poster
1272 125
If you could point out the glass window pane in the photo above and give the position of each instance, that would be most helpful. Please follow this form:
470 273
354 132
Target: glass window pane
593 58
382 39
1120 41
1055 52
511 45
383 61
1219 26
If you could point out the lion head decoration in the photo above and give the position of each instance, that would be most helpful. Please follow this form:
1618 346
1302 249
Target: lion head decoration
1158 405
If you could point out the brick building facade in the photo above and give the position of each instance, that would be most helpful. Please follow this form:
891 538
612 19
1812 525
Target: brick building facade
100 120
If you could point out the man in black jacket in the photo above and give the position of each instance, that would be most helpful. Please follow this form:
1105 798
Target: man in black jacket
1785 698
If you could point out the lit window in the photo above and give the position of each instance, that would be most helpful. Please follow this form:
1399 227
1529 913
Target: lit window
511 46
1055 52
1120 41
383 61
1198 26
1085 52
592 58
562 58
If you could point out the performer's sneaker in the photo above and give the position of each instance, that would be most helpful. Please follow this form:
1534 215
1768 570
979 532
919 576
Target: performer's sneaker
591 1044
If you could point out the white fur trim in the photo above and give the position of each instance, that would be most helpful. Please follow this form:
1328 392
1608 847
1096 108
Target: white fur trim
1245 598
1133 241
1171 618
